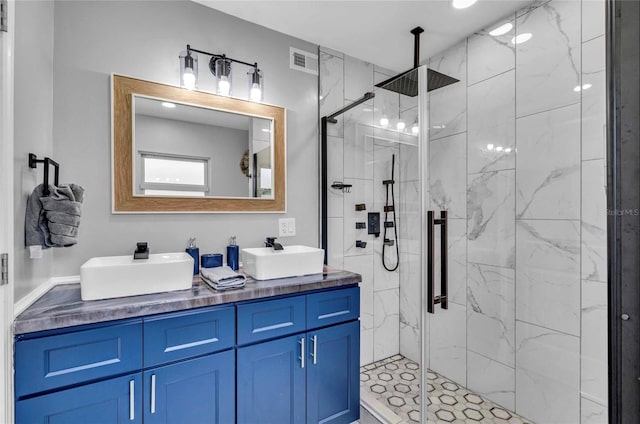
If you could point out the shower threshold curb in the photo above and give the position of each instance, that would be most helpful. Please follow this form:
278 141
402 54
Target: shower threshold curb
379 410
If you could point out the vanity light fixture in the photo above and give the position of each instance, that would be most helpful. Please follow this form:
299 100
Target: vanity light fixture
220 67
188 69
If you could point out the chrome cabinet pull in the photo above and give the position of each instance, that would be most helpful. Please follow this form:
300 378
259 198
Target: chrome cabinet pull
153 393
432 299
132 400
314 353
301 341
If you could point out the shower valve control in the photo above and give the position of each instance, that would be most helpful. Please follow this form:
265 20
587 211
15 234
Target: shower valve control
374 223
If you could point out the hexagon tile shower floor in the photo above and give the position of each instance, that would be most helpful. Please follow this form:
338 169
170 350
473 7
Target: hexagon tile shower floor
394 382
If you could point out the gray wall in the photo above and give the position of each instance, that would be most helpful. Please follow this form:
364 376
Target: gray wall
33 116
142 39
225 147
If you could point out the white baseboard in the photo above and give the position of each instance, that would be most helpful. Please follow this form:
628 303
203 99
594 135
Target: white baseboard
381 412
35 294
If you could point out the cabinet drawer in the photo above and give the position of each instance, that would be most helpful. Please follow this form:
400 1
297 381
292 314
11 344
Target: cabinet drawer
332 307
118 400
181 335
271 318
64 359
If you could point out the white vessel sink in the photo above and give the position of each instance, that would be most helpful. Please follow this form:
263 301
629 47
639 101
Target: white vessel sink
118 276
264 263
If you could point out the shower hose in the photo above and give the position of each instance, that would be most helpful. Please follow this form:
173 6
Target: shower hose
395 226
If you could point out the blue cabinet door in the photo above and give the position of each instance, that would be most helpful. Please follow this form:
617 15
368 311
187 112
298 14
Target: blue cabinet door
200 390
114 401
333 383
271 382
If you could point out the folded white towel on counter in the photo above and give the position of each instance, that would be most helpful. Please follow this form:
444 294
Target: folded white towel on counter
222 278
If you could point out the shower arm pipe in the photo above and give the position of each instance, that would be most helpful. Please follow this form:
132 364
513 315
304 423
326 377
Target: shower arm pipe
324 185
367 96
222 56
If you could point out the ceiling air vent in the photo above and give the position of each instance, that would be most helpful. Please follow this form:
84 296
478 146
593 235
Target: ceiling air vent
303 61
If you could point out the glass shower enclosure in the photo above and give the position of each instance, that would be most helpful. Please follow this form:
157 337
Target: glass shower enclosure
514 273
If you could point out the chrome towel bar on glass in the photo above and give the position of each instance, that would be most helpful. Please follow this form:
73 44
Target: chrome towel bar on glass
432 299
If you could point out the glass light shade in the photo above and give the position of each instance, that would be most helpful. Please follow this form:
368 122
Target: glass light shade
222 71
400 125
188 70
415 129
384 121
256 85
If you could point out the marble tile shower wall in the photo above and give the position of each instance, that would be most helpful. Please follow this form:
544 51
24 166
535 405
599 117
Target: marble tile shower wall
359 155
517 157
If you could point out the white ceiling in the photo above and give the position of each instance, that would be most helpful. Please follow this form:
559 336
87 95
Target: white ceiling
374 31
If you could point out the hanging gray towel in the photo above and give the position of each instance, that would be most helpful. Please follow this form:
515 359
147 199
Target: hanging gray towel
52 221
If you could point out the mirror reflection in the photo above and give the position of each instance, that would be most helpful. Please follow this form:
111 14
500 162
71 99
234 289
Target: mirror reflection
184 150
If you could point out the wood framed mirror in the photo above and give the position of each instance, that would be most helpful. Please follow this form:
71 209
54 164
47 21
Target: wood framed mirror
183 151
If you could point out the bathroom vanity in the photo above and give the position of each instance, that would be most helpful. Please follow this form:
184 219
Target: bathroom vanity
276 351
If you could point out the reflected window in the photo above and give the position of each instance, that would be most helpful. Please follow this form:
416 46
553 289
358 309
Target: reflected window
174 175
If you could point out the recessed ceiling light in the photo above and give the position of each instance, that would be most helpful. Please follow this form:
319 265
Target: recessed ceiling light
168 105
502 29
577 88
462 4
521 38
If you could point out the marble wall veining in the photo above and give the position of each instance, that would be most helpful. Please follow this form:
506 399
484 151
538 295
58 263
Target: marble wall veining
532 150
359 153
517 157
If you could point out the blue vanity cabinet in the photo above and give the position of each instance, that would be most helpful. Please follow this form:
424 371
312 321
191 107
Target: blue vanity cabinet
200 390
117 400
307 377
271 382
333 374
167 368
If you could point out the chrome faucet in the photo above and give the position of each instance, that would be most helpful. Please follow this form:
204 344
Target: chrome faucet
271 242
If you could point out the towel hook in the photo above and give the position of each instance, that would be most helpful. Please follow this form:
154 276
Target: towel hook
34 161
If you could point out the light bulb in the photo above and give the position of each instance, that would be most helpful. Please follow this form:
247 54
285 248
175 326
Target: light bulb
586 86
168 105
400 125
507 150
384 121
499 149
189 79
415 129
224 87
255 94
490 146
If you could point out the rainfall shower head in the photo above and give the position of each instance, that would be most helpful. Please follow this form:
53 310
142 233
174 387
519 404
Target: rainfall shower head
407 82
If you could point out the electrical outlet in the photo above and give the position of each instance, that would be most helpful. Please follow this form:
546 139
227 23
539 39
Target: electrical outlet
286 227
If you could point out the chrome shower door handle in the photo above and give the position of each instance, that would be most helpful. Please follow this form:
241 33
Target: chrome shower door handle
432 299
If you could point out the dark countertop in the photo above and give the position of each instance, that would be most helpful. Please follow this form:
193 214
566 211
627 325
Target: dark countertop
62 306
